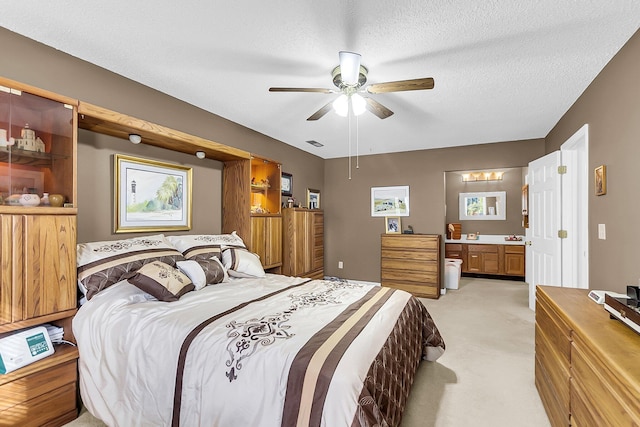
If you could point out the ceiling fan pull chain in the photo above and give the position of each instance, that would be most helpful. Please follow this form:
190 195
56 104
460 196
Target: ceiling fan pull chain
349 142
357 144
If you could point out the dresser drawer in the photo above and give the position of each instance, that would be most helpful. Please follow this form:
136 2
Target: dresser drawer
419 290
410 241
418 277
554 368
58 404
555 330
37 384
405 254
409 267
593 380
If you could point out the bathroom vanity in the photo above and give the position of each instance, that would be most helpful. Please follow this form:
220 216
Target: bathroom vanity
490 254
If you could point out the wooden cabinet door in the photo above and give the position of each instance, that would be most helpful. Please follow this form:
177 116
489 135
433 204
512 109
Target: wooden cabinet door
490 264
317 246
474 263
9 292
37 251
514 264
49 257
266 239
274 241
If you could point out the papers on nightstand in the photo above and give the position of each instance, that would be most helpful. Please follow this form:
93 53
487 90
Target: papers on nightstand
55 333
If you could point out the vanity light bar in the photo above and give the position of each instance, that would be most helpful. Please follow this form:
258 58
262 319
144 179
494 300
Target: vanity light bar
482 176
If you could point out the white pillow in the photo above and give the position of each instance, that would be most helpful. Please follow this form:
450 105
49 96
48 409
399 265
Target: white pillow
193 270
242 263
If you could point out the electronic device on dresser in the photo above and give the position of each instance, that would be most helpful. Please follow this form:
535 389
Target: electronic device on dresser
627 310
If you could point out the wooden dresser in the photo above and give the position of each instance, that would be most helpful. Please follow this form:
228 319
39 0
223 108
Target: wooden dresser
411 262
587 366
303 243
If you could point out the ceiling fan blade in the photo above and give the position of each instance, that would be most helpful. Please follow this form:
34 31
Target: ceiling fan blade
299 89
378 109
321 112
402 85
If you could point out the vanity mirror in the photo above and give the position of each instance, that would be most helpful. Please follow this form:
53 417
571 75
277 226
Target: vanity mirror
483 206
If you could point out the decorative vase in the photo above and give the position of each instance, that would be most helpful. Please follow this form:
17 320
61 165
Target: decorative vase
29 200
56 200
45 199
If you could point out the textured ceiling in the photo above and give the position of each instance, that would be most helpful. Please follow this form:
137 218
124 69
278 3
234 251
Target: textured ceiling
503 69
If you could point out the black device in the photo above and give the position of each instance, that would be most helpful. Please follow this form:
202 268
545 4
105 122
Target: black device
409 230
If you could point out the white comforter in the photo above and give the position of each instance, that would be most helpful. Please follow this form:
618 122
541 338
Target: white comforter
129 346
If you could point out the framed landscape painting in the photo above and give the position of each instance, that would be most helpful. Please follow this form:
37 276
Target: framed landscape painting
151 195
390 201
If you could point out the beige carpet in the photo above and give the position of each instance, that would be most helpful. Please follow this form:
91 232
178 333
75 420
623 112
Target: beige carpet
486 376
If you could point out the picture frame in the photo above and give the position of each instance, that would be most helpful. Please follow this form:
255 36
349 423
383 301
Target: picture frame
387 201
392 225
286 184
600 176
313 198
151 195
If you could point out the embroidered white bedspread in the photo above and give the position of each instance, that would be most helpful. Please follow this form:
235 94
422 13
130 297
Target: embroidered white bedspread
237 368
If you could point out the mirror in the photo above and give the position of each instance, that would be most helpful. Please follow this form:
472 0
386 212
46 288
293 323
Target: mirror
483 206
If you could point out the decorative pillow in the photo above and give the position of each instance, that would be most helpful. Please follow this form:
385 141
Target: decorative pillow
214 270
204 246
161 280
195 273
242 263
101 264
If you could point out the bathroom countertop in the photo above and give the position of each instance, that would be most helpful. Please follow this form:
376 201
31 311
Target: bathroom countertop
488 239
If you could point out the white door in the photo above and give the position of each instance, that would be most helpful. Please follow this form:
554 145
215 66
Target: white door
543 246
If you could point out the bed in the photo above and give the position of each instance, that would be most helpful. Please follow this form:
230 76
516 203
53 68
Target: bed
251 349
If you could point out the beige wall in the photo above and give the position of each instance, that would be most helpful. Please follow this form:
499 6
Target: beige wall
38 65
611 107
353 236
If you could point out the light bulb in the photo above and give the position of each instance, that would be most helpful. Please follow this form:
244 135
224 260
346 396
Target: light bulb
341 105
349 67
358 104
135 138
200 154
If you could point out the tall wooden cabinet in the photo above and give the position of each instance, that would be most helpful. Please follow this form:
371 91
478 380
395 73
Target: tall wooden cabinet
586 364
38 132
411 262
303 243
251 201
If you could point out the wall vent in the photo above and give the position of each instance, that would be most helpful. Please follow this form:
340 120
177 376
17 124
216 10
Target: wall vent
315 143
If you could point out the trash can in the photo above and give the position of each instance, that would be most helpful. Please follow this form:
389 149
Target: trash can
452 272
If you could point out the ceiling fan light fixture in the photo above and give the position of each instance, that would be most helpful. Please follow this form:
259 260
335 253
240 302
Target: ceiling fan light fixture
341 105
349 67
358 104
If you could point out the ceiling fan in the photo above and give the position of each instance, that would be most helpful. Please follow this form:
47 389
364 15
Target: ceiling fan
350 78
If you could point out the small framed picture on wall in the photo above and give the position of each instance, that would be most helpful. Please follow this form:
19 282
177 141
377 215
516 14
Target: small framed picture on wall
601 180
287 184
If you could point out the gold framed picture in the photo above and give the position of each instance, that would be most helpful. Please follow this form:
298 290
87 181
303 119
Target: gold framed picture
600 174
151 195
392 225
